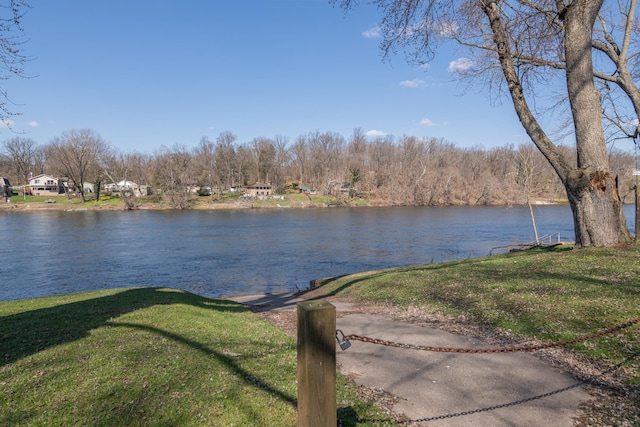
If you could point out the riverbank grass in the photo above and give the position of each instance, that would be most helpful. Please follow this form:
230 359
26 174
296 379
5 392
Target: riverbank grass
549 295
538 295
149 356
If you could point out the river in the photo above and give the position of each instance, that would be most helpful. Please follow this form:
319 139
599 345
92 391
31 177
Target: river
229 252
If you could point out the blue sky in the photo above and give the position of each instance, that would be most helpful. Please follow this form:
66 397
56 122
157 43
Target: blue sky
145 74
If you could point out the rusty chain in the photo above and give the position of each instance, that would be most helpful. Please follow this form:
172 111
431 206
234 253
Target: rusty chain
494 407
510 349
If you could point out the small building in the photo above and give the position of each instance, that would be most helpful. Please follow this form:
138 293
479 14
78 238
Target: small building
129 187
259 190
88 188
45 185
339 187
5 188
307 190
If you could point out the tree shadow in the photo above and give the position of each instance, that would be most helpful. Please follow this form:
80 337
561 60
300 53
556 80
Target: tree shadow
227 360
348 416
29 332
324 284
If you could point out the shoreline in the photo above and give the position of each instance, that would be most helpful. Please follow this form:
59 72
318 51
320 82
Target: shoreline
71 206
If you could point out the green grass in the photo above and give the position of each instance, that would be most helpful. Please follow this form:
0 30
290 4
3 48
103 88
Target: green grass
60 199
541 294
147 357
66 202
547 295
107 200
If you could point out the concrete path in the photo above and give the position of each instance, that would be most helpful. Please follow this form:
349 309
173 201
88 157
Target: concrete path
448 389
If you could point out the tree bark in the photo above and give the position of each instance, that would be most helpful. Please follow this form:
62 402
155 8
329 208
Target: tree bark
592 191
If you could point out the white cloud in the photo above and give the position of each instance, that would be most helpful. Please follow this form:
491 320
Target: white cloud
374 132
34 124
448 29
6 123
371 33
413 83
460 65
428 122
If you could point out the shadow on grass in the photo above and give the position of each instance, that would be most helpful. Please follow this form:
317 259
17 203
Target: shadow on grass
326 283
30 332
539 280
229 361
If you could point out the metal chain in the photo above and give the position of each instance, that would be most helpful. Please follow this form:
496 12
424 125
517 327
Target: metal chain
491 350
592 381
494 407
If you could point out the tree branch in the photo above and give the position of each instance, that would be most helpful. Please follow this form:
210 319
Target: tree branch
608 37
628 29
529 122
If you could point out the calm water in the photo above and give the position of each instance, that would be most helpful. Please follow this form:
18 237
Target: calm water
222 253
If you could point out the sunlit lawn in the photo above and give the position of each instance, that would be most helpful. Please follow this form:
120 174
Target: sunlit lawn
149 357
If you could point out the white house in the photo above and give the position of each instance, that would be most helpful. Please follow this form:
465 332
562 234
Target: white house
45 185
128 186
5 188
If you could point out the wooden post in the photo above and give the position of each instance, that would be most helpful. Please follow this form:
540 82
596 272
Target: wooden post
637 225
316 364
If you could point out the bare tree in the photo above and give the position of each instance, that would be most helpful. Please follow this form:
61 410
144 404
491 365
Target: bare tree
325 153
124 167
357 149
173 175
21 154
78 155
39 161
281 161
411 170
243 156
518 45
527 173
263 156
12 59
204 163
300 158
382 153
225 159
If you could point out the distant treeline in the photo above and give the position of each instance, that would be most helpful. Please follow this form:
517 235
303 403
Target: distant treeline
393 171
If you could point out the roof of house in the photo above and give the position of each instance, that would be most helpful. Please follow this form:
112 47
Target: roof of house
41 176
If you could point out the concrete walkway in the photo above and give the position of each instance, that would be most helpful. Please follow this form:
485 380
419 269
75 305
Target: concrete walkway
447 389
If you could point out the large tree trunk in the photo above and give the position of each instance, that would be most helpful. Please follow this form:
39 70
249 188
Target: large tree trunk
592 191
598 214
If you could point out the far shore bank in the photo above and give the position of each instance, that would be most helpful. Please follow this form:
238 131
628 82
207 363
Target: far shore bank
64 204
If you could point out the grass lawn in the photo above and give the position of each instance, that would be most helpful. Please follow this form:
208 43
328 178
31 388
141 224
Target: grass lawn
64 202
539 294
544 295
147 357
